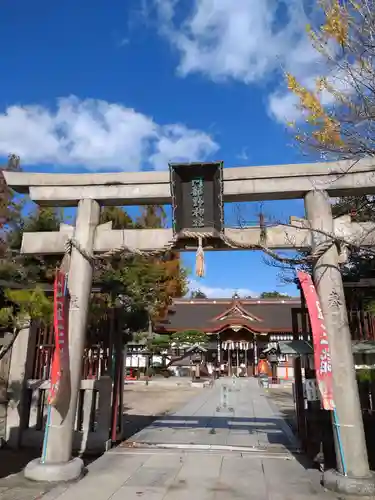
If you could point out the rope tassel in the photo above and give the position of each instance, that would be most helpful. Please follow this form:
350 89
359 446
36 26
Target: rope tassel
199 259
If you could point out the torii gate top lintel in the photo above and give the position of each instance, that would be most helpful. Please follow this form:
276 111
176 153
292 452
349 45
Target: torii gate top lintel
239 184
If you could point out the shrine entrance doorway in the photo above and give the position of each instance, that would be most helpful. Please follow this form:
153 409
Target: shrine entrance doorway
238 352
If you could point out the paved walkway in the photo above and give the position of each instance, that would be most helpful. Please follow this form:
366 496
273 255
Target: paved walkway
229 415
228 442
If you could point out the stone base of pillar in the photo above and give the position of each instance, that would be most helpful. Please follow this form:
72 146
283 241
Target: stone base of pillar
353 486
53 473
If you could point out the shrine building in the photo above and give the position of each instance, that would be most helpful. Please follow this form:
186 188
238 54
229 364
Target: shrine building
241 330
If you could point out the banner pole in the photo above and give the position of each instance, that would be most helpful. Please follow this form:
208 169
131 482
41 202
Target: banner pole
49 405
339 441
46 432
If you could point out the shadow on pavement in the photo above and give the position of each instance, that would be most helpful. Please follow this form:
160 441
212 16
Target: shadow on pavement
14 461
273 438
136 423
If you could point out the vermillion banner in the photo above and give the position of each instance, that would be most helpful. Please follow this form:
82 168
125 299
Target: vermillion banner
61 333
322 355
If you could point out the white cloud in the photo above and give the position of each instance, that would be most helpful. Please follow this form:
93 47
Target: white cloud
283 106
243 40
243 155
218 293
179 143
97 134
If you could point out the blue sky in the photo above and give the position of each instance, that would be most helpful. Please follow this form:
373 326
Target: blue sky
130 85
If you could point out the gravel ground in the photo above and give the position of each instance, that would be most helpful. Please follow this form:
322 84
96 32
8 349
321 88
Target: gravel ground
156 399
142 404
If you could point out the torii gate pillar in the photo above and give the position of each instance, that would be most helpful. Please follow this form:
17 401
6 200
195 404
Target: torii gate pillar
327 277
57 463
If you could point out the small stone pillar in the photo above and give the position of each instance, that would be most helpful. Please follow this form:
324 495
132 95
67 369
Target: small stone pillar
328 282
21 359
58 464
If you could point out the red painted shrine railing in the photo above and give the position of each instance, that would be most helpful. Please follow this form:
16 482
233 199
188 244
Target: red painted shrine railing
96 362
361 323
43 355
95 359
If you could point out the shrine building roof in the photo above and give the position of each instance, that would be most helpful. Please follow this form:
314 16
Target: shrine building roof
214 315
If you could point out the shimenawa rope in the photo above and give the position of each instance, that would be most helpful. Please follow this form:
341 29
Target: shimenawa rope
199 261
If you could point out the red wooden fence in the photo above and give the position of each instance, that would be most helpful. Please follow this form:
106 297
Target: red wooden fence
362 323
97 354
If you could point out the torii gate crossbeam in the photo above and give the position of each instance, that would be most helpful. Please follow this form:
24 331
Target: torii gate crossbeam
279 182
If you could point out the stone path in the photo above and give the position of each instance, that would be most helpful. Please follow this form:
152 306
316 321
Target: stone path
214 448
227 415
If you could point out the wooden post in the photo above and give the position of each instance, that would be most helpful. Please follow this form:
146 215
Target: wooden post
299 401
304 319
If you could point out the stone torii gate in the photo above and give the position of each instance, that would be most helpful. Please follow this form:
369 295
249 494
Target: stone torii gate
314 183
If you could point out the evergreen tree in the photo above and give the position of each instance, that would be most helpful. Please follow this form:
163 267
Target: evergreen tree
273 295
142 285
